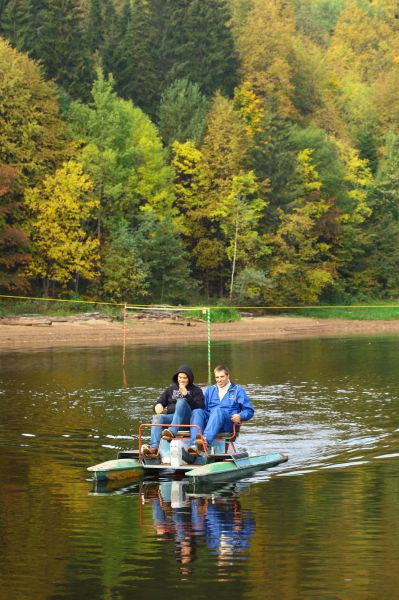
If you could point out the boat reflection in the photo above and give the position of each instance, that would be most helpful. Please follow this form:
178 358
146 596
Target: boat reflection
189 519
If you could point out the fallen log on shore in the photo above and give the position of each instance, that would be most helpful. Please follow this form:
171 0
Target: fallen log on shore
27 321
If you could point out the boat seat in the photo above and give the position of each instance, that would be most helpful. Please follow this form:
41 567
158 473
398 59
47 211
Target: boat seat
223 457
183 433
128 454
220 436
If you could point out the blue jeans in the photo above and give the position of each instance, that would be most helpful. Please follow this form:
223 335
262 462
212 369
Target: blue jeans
156 432
212 423
182 416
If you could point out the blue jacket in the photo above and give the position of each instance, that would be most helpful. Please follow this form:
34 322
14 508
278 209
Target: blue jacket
234 402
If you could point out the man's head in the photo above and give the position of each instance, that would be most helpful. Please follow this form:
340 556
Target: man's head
182 379
221 375
183 375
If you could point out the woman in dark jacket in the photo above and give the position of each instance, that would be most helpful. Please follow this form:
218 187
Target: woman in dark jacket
175 405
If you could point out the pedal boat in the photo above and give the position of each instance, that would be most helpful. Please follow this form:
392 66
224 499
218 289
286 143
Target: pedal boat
220 462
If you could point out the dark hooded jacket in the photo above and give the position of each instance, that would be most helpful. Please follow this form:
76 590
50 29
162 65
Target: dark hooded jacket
172 394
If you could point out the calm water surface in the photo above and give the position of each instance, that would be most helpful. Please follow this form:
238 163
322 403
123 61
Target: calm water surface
324 525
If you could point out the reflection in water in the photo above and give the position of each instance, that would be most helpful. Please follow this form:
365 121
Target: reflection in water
190 520
327 524
217 517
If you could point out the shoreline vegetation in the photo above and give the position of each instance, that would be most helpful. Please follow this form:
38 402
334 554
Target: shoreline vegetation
55 308
100 330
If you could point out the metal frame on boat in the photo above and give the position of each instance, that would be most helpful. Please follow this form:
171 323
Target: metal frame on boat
219 462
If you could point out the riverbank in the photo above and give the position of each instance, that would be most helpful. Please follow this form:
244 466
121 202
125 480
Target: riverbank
100 332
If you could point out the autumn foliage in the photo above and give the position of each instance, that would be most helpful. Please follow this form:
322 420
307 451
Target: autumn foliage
251 153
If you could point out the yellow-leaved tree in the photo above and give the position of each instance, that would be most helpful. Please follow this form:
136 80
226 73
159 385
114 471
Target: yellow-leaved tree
240 216
302 262
363 43
225 148
264 41
250 107
362 55
191 184
61 213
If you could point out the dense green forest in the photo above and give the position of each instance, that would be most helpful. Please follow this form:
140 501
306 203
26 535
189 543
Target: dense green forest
241 151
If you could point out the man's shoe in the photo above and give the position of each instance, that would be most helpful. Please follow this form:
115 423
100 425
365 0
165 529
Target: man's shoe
167 435
193 451
149 451
201 444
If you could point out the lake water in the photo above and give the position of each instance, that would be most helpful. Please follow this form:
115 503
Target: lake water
324 525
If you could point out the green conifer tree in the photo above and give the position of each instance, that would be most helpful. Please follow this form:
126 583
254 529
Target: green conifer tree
62 49
136 78
3 6
197 44
208 57
15 23
368 145
95 26
374 266
111 47
182 112
177 39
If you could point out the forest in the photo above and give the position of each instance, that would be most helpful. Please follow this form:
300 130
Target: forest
172 151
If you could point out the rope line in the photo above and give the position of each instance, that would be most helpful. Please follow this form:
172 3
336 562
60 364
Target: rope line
189 308
206 310
62 300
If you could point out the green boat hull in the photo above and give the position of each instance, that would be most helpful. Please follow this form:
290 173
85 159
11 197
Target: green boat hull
220 472
123 469
119 469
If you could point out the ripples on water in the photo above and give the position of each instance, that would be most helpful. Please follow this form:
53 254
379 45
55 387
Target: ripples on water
322 428
310 528
317 429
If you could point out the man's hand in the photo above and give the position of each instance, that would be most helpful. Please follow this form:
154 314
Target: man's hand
159 408
236 419
183 389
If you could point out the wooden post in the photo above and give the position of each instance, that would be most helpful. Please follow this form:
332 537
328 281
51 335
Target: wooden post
124 338
209 346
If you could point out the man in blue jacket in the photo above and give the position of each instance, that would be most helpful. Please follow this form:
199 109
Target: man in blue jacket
225 403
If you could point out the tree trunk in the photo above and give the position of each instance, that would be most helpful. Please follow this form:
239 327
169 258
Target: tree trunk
76 283
100 196
233 268
163 280
46 287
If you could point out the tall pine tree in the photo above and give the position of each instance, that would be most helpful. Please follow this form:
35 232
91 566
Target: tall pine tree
182 112
16 23
62 49
208 57
197 44
177 39
136 78
95 26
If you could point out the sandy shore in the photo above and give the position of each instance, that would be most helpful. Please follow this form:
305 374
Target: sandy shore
99 332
